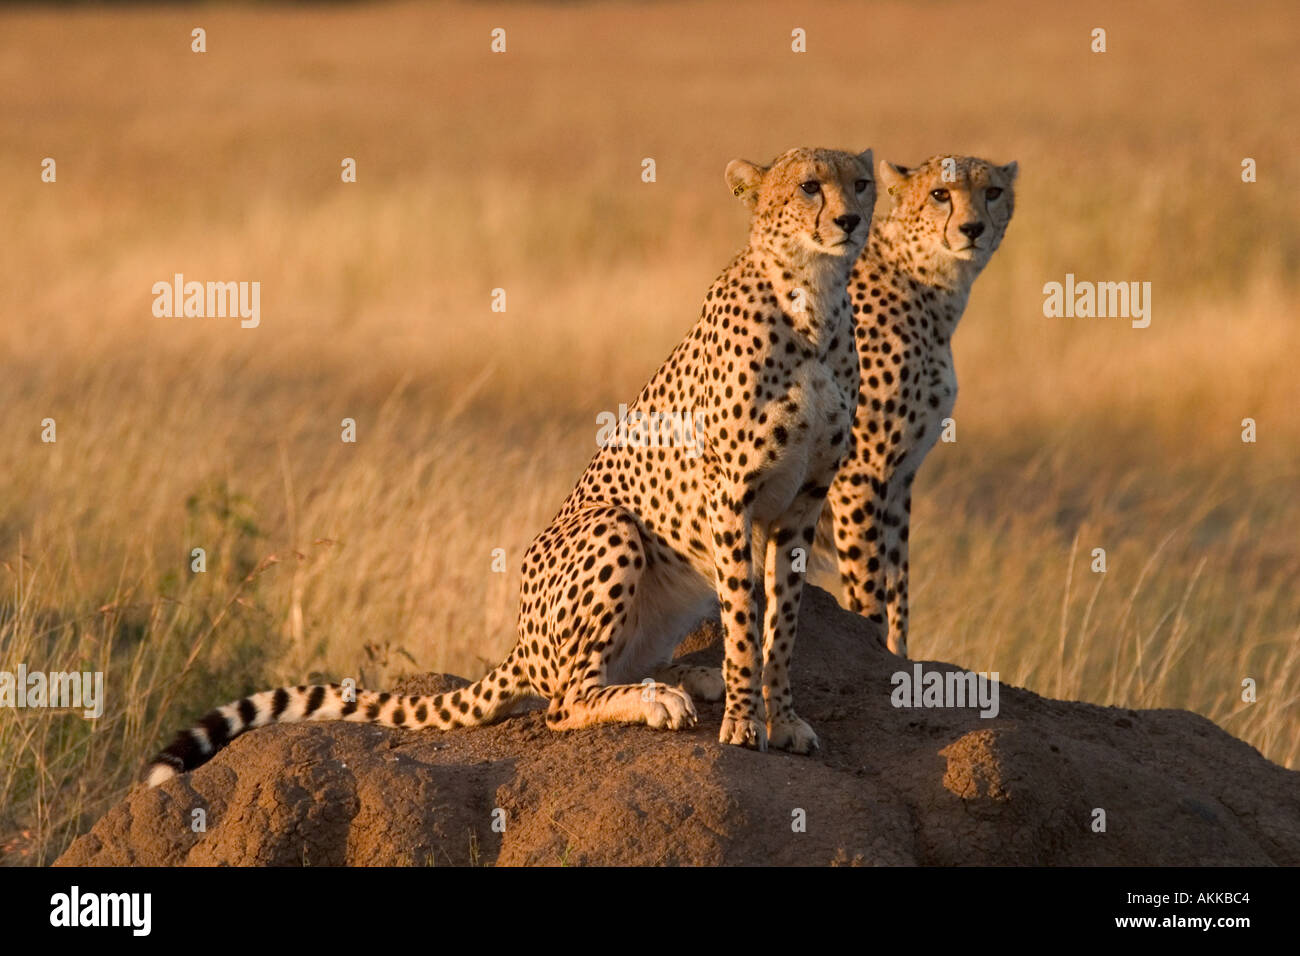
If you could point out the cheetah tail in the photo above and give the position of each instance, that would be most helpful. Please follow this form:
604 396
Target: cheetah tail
487 700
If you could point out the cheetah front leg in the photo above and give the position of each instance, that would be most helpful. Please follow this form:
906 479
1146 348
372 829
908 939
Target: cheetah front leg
857 501
743 720
897 525
783 586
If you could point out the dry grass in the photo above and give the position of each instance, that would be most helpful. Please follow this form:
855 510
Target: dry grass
522 171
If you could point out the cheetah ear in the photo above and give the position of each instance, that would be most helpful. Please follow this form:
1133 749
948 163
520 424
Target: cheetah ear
893 176
1010 170
743 179
867 160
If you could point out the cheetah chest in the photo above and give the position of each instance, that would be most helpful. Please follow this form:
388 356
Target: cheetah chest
939 387
931 401
803 439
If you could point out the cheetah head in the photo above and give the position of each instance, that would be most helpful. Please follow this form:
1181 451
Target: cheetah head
809 203
952 210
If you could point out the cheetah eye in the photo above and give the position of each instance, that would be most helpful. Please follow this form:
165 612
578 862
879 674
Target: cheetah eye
812 187
940 195
861 185
993 193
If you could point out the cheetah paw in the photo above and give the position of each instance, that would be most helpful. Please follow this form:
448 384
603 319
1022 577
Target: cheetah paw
671 708
706 683
792 733
744 732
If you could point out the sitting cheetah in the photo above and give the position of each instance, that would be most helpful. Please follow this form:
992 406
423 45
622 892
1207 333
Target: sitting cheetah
651 536
909 289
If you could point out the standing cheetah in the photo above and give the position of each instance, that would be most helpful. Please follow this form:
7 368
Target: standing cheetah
909 289
651 536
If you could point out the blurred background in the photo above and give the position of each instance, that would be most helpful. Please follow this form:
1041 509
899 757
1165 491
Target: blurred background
522 171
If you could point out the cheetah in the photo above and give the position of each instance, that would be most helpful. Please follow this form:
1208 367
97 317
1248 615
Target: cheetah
909 289
652 538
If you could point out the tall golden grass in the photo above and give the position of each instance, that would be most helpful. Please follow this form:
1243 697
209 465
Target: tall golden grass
522 171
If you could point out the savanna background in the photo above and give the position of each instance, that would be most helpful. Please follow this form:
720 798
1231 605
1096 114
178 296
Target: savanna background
522 171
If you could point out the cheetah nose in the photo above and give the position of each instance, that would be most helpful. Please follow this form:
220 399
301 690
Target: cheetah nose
972 229
848 222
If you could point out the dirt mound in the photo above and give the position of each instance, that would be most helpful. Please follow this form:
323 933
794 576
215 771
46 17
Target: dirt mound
890 786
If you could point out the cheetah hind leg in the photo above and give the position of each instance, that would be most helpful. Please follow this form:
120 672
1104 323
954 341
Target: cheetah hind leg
588 698
703 683
654 704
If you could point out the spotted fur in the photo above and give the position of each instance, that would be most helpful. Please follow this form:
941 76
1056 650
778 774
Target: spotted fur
909 289
651 537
